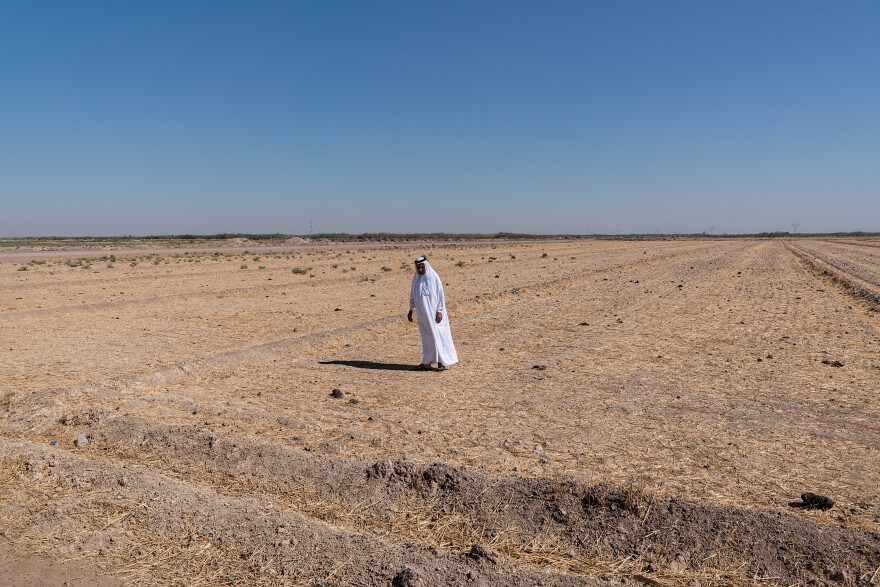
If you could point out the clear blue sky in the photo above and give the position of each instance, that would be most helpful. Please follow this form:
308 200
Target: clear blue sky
547 117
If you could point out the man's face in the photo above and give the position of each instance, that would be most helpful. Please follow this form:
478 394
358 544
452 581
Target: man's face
420 268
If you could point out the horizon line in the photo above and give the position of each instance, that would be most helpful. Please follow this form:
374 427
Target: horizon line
424 235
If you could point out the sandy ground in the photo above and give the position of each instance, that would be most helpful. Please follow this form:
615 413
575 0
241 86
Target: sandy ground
685 386
31 570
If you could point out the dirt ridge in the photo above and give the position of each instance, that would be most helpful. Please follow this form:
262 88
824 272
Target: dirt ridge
587 525
853 285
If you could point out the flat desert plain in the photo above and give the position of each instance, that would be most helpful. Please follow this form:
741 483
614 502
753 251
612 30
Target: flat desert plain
624 413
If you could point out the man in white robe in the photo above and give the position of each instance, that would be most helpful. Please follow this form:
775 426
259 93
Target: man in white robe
426 297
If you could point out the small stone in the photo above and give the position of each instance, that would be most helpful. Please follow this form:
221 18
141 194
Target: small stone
585 324
81 440
121 481
337 310
832 363
336 393
354 401
539 367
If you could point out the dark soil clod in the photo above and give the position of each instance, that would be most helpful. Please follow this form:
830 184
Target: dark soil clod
815 501
479 552
832 363
407 577
337 393
539 367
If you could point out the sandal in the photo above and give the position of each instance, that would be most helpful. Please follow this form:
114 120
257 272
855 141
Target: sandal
441 367
421 367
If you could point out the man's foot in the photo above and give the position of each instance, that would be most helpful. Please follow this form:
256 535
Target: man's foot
441 367
423 367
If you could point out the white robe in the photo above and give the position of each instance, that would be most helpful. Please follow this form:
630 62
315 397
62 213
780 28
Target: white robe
426 297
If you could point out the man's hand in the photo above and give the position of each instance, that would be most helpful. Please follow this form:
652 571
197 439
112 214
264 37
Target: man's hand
409 316
439 317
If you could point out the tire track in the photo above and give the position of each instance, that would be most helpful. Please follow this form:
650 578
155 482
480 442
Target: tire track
309 345
844 281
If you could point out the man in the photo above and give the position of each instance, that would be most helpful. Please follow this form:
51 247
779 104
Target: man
426 296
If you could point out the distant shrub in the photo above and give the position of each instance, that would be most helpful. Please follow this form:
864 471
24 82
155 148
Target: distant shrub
300 270
460 264
384 268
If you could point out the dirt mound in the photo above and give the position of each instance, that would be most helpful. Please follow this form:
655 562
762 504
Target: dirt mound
132 520
438 476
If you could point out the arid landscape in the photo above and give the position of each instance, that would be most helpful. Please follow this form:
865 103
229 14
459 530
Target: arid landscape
625 412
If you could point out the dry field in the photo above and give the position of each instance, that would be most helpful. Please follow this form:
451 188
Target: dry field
624 413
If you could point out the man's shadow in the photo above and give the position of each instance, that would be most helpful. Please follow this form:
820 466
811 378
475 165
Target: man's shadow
371 365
